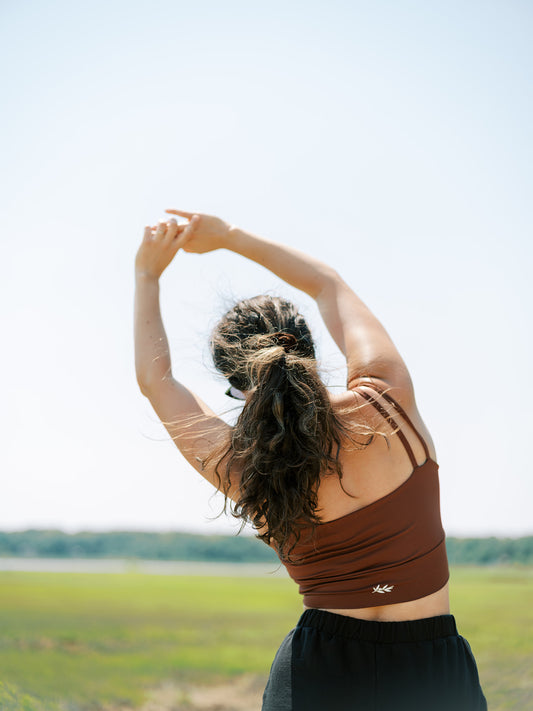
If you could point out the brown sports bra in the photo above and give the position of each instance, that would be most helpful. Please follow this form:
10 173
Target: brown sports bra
389 551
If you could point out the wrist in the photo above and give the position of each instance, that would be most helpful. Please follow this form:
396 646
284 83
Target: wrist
231 236
142 275
236 240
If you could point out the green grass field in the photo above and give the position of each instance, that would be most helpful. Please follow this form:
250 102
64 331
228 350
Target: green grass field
80 641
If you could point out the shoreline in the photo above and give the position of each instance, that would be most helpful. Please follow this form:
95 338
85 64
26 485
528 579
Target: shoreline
147 567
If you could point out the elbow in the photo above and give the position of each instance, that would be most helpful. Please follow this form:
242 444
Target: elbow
328 278
145 381
149 382
143 386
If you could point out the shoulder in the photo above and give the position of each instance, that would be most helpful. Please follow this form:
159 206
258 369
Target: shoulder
364 391
372 399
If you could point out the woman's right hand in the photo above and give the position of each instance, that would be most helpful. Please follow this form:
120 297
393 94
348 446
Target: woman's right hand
206 232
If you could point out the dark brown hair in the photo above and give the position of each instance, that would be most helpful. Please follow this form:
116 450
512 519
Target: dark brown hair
288 434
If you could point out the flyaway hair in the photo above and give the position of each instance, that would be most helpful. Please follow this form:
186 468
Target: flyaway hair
288 434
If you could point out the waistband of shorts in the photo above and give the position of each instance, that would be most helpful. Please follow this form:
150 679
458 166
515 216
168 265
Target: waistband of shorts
425 629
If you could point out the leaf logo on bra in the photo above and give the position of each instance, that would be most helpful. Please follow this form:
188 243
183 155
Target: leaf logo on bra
382 588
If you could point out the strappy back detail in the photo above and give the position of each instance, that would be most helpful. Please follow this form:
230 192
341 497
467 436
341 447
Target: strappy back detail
383 393
390 551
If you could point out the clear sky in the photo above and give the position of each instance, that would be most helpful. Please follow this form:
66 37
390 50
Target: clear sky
390 139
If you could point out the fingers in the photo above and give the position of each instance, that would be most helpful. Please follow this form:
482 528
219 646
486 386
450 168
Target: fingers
181 213
187 232
160 230
165 230
172 230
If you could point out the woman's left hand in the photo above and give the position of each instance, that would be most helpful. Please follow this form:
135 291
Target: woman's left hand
159 246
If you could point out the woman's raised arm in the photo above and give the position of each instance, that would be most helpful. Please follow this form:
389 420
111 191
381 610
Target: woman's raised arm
296 268
366 345
293 266
360 336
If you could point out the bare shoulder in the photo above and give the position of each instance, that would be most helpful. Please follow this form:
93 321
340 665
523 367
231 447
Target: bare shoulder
357 397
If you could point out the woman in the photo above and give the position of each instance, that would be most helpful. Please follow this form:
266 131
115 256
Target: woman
344 488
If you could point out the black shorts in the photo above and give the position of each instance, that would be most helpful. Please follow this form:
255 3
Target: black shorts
337 663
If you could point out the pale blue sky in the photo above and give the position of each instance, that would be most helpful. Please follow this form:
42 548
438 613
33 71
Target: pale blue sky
390 139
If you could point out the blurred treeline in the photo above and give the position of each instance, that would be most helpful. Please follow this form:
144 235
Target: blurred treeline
235 549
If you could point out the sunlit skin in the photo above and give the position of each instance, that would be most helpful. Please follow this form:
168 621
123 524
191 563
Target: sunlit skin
369 474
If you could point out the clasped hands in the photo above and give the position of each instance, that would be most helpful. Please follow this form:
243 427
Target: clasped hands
160 244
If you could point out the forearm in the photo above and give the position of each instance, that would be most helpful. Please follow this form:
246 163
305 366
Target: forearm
152 354
293 266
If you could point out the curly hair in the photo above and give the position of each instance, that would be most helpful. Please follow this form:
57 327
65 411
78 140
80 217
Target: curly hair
288 434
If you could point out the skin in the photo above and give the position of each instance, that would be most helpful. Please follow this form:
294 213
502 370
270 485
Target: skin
369 351
370 474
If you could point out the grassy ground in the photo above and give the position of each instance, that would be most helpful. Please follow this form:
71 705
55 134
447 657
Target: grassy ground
83 641
494 612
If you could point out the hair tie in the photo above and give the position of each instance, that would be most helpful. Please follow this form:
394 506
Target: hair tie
287 340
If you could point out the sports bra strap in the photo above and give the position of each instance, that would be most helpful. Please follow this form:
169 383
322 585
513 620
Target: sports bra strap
388 417
407 419
384 393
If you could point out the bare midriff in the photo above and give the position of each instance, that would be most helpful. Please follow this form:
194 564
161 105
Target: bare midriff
438 603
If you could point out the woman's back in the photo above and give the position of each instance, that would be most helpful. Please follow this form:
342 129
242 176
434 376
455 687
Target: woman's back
382 471
379 468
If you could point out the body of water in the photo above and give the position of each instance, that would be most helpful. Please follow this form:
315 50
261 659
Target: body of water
153 567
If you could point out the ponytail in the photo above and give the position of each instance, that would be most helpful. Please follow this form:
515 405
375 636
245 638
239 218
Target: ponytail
288 434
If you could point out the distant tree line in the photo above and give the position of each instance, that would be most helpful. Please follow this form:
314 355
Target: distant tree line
234 549
135 544
490 551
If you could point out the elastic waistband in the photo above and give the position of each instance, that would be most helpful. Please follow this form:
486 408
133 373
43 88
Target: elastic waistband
422 630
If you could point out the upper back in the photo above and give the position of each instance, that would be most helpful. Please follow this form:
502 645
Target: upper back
380 468
383 533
